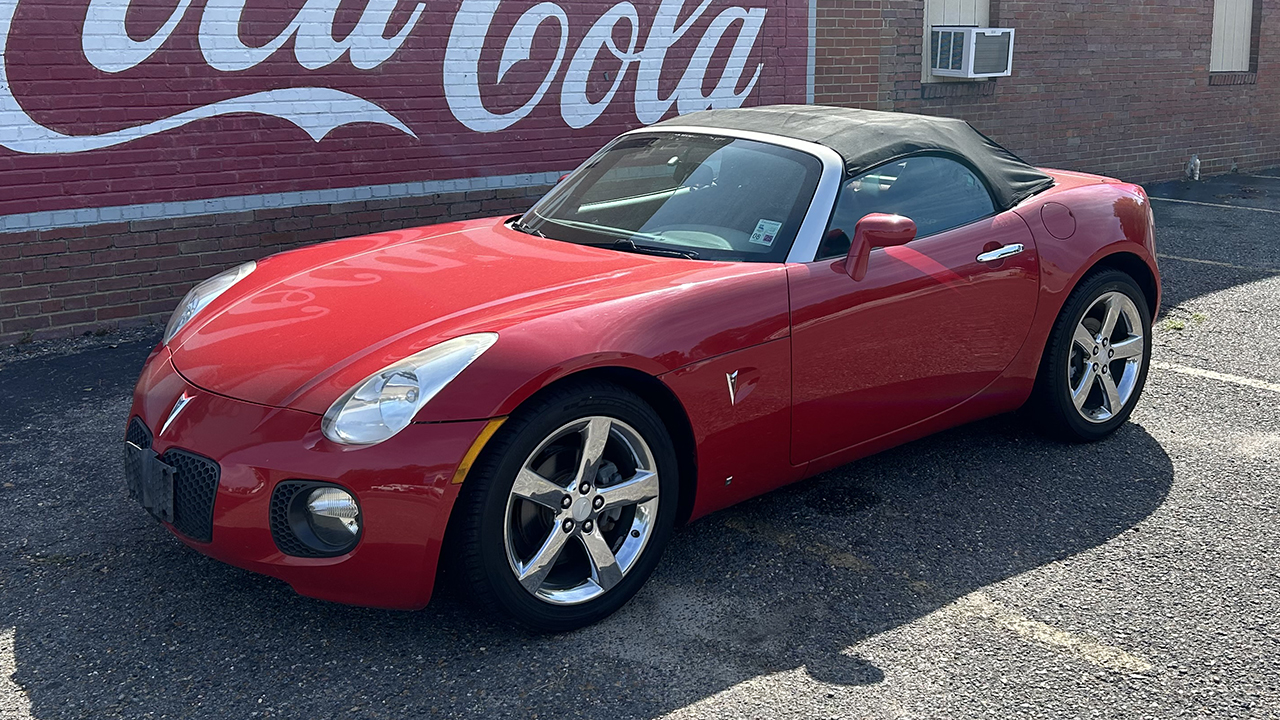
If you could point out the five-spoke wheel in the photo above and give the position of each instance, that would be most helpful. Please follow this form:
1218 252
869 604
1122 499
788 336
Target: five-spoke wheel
581 510
1096 361
1106 357
569 507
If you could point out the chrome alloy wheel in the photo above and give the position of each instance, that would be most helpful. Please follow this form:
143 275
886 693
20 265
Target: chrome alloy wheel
581 510
1106 357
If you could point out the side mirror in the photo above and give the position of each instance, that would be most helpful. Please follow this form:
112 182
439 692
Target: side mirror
873 231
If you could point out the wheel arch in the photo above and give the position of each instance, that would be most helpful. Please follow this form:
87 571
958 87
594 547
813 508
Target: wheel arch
461 557
1136 268
664 402
670 410
1050 415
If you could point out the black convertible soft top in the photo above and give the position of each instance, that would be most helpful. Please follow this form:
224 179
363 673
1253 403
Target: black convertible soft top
867 139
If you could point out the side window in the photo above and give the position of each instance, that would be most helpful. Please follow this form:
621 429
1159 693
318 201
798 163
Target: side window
935 192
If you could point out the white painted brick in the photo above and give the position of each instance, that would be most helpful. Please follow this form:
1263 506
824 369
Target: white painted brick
73 218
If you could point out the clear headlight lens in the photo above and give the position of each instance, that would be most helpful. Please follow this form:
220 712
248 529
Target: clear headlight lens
385 403
203 294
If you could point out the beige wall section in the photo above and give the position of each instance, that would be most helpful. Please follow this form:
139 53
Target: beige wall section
950 12
1232 35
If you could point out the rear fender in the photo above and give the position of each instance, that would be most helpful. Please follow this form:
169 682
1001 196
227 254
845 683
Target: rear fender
1108 222
1105 219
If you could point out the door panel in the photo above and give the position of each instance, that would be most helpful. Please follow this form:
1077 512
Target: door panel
926 329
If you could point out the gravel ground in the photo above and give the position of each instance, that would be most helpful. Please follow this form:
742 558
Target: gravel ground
984 572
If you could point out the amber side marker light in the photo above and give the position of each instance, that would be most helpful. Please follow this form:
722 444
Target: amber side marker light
481 440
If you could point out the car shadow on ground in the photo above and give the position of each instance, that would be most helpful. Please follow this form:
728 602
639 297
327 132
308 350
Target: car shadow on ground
114 617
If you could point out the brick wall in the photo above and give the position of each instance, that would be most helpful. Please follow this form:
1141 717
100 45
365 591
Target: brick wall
1116 88
852 37
172 102
68 281
117 235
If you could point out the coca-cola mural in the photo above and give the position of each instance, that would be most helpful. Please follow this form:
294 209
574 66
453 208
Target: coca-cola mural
120 102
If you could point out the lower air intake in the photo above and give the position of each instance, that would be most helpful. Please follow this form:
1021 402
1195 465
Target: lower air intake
195 485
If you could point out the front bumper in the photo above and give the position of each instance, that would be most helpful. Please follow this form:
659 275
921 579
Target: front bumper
404 487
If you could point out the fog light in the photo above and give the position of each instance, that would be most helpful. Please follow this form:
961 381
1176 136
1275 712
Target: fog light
333 516
313 519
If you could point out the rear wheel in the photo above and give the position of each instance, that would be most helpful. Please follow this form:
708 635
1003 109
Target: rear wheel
1095 364
570 508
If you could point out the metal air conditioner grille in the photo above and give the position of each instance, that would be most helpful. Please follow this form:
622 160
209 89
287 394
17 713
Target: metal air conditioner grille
948 50
991 53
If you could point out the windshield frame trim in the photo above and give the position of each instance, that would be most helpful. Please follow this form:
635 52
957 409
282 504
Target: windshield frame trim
809 236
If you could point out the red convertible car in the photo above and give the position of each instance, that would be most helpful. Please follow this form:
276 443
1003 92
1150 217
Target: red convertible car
707 309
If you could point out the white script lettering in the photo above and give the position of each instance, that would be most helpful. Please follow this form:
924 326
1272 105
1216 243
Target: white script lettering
471 28
317 111
108 46
462 60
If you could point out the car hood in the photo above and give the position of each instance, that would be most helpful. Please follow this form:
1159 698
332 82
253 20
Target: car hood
308 324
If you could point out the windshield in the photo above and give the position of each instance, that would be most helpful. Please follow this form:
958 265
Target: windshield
697 196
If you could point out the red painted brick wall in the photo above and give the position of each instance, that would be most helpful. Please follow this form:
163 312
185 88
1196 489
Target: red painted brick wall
90 119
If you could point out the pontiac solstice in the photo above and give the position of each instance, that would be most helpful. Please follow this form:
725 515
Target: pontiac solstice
707 309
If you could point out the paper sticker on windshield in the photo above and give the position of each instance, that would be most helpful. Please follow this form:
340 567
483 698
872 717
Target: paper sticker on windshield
766 231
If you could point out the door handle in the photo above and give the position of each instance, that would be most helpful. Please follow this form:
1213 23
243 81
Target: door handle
1000 253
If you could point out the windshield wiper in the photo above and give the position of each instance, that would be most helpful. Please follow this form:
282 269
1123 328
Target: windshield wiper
524 227
629 245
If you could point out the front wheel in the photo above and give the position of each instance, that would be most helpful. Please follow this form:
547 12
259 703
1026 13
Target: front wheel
1095 364
570 507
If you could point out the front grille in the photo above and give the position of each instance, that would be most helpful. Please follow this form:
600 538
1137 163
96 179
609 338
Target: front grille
991 53
138 434
195 484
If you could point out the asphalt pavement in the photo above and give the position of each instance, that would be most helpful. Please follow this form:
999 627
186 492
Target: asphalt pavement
983 572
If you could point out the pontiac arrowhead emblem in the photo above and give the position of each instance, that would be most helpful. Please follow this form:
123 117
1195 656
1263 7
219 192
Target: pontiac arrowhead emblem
733 386
177 408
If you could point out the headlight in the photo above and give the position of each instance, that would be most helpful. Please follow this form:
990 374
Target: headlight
203 294
385 403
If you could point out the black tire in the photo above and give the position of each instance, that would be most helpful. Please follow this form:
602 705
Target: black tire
1052 405
481 516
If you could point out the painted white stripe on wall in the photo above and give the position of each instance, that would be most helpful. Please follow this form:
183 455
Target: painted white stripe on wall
49 220
813 49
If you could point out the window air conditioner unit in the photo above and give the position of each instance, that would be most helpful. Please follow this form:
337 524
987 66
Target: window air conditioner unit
971 52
